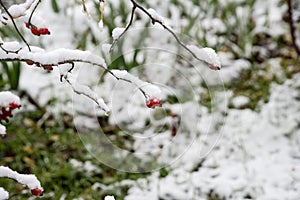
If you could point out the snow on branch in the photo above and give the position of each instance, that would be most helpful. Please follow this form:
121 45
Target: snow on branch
149 90
51 58
28 180
85 91
8 102
3 194
213 61
19 10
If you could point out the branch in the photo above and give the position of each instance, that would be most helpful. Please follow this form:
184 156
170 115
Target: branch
15 26
293 27
35 7
55 57
155 18
126 28
29 180
85 8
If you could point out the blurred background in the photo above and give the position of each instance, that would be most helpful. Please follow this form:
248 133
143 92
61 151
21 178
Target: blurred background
231 134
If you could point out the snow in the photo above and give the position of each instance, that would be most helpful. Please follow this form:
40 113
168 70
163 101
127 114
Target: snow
206 54
86 166
106 48
100 25
109 198
2 19
155 15
116 33
2 130
18 10
3 194
11 46
26 179
55 57
7 97
149 89
240 101
252 157
241 151
86 91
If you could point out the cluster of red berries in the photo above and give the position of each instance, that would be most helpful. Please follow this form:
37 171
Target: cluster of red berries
153 102
5 112
37 192
46 67
37 31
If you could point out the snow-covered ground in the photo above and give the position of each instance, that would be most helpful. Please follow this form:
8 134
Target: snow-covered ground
230 153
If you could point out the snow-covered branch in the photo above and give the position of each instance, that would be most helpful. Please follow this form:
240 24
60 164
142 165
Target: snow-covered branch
8 102
56 57
210 57
28 180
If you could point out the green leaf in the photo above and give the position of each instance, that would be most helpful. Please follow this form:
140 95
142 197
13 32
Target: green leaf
55 6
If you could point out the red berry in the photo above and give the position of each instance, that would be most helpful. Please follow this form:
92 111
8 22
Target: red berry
37 192
44 31
29 62
213 67
173 130
27 25
153 102
13 105
35 31
48 67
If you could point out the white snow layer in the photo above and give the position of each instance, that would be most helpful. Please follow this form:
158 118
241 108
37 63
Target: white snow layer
240 101
3 194
2 130
149 89
257 155
7 97
109 198
29 180
206 54
18 10
116 33
55 57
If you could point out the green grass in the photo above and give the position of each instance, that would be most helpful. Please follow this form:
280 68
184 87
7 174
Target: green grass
46 152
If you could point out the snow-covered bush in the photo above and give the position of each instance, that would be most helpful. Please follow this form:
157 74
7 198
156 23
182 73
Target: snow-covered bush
21 17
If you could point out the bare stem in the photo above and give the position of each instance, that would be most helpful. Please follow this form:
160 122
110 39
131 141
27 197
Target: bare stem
35 7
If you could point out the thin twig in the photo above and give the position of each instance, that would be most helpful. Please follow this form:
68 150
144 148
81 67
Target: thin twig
85 8
29 20
126 28
293 28
15 26
129 81
136 5
9 51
